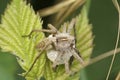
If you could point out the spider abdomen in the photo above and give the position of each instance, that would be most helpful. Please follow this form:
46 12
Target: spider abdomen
60 57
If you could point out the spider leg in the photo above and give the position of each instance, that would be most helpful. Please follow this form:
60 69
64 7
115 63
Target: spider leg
67 68
70 27
64 28
33 63
37 30
76 53
54 66
77 56
41 49
51 29
36 58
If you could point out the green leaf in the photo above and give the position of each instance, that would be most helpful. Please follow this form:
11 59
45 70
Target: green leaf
49 74
84 36
84 44
19 19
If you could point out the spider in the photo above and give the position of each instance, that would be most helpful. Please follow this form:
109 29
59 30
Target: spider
60 46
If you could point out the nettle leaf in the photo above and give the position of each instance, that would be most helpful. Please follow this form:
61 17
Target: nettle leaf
19 19
84 43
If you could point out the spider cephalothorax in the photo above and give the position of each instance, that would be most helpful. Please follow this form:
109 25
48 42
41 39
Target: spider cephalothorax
60 46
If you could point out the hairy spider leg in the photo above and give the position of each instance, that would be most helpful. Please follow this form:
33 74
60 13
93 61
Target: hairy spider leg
67 64
40 51
71 25
67 68
33 63
52 30
77 56
64 28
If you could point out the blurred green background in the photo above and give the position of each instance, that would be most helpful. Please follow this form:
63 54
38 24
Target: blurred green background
104 19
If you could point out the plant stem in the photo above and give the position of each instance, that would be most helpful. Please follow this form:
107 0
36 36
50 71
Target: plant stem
54 9
101 57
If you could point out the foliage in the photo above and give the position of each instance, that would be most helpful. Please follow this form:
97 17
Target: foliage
19 19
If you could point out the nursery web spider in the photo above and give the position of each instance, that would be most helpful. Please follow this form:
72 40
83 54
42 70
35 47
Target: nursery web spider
60 46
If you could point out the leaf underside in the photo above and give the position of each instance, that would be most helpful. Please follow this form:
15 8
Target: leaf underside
19 20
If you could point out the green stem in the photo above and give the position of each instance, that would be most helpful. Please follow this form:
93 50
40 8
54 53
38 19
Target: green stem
101 57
